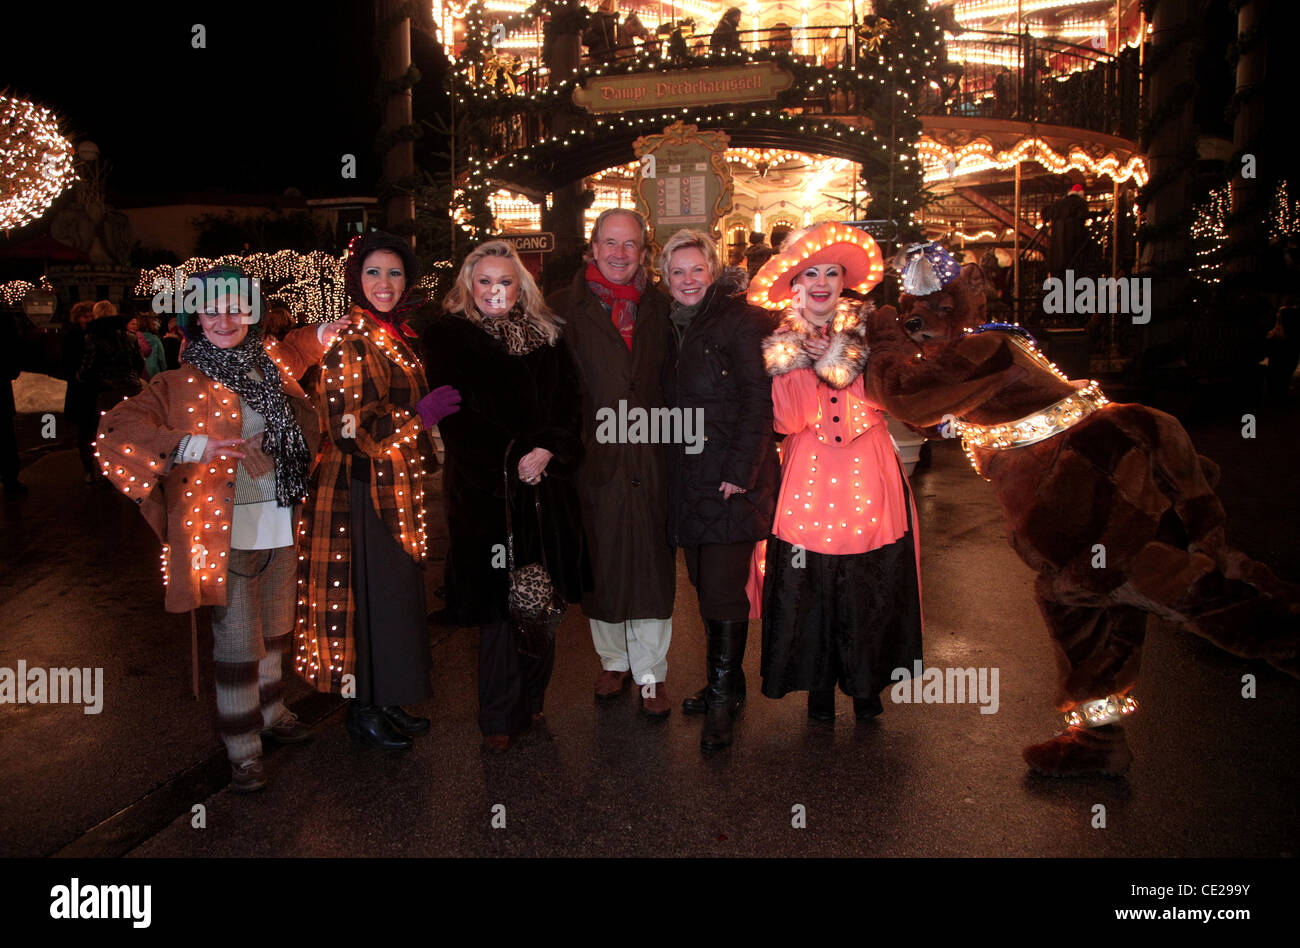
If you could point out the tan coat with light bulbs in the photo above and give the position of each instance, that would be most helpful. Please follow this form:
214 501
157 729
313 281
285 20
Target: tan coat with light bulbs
190 506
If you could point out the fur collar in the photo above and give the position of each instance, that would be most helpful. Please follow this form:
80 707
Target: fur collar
843 362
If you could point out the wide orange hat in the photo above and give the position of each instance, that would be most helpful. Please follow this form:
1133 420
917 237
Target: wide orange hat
854 250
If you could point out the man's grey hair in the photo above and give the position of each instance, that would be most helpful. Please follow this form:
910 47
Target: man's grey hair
595 228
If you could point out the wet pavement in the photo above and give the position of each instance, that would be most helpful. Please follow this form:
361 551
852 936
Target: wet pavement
1215 774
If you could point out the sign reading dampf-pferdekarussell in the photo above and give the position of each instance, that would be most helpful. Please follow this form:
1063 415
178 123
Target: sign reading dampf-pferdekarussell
754 82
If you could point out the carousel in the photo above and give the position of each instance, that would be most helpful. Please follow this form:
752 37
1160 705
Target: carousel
958 120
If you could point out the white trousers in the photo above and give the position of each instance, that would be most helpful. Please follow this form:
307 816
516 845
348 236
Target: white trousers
638 645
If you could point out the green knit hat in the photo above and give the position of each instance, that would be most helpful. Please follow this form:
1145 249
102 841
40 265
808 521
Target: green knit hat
206 286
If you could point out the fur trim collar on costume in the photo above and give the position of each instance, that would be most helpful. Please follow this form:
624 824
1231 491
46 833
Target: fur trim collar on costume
843 362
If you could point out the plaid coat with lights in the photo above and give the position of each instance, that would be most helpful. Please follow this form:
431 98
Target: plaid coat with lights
190 506
370 382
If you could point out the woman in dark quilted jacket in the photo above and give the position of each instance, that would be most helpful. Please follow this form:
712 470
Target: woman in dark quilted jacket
726 472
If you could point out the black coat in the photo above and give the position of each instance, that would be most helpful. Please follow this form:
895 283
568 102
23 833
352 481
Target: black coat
111 359
726 37
623 486
720 372
534 400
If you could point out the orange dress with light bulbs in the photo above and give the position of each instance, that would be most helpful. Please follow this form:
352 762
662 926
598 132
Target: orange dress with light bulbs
840 587
840 492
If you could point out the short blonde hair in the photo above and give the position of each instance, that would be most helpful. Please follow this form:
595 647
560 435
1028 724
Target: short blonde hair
104 308
461 297
686 239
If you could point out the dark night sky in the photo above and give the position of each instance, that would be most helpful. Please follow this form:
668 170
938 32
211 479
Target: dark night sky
281 92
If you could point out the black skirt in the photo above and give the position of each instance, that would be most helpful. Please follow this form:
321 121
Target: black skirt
848 619
393 657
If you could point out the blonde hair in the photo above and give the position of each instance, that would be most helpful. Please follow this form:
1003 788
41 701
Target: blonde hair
461 297
684 240
104 308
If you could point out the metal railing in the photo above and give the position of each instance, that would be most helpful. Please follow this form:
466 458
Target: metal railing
986 75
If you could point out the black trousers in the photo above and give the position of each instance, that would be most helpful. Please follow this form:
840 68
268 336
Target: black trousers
511 686
719 572
393 656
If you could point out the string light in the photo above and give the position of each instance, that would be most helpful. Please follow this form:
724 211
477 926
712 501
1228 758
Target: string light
16 290
1036 426
1101 711
941 162
310 283
35 162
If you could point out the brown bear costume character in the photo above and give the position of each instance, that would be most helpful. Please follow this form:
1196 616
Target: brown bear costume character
1082 482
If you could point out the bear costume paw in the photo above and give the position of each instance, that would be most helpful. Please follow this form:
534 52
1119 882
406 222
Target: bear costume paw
1078 751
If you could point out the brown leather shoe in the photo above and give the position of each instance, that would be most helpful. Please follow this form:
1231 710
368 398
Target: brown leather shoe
496 743
657 705
611 684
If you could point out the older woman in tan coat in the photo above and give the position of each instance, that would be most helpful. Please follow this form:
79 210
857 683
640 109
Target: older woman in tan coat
216 453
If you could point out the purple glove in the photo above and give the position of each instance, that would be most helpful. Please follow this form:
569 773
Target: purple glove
438 404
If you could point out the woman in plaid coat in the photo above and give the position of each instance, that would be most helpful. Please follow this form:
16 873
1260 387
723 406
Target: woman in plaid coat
362 627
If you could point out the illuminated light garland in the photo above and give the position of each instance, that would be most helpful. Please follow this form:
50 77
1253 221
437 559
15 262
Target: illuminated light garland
1036 426
35 162
980 155
1102 711
310 283
981 235
1284 216
16 290
967 11
1032 428
1209 232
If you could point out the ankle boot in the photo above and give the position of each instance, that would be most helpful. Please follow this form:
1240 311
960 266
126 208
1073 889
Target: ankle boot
725 695
367 725
410 723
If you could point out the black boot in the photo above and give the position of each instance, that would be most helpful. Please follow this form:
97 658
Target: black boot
864 709
697 703
725 695
821 705
367 725
410 723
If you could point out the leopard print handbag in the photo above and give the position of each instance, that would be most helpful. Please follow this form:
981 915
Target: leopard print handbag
536 607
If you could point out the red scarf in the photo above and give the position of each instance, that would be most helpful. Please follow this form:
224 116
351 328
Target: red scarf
620 299
395 319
